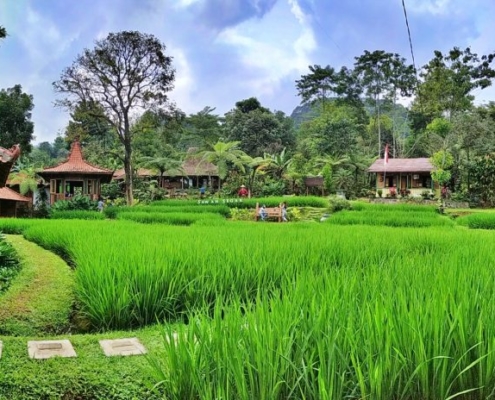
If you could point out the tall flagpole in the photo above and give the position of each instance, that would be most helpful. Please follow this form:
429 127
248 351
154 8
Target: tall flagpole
385 162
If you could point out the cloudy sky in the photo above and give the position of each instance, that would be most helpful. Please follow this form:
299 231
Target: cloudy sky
228 50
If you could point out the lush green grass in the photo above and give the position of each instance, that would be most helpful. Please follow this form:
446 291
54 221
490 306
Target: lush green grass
477 220
394 215
77 214
90 375
279 311
170 218
294 201
387 208
153 208
41 296
395 219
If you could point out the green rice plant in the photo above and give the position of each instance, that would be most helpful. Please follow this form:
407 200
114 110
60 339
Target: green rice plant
395 219
340 335
171 218
404 207
280 311
477 221
77 214
15 225
214 208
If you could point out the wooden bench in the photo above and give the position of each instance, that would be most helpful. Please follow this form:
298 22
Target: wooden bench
271 212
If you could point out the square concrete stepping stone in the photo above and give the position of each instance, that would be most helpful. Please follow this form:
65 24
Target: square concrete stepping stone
50 348
122 347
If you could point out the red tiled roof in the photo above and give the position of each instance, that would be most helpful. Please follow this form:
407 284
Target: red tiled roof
402 165
76 163
8 194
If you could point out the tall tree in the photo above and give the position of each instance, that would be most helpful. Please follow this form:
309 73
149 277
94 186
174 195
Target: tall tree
324 83
3 32
201 129
157 130
384 74
448 82
334 132
16 126
257 129
125 73
88 121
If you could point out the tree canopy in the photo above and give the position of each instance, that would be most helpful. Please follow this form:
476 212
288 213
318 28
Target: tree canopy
126 73
16 126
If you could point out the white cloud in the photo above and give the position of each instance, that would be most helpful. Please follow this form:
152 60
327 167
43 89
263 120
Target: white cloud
185 3
274 55
42 39
435 7
184 84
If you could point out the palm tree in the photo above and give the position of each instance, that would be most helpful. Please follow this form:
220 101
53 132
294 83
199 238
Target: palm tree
173 166
222 155
276 164
253 166
24 175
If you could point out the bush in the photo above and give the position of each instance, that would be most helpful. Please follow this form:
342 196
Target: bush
238 214
9 265
76 203
111 212
339 204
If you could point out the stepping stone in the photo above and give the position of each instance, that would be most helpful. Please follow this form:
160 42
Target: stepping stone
1 347
50 348
122 347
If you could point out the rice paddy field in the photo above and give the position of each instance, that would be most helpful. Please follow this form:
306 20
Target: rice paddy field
356 307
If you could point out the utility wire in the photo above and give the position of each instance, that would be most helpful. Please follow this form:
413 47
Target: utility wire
409 35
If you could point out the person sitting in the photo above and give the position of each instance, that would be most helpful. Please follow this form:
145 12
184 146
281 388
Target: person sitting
262 212
243 192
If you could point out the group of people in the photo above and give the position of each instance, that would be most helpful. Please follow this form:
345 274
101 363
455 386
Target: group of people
263 213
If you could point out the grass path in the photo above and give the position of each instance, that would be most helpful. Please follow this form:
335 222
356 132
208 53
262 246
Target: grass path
41 297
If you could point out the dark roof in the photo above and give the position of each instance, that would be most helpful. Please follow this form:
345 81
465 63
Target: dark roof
76 164
402 165
7 159
193 166
142 172
8 194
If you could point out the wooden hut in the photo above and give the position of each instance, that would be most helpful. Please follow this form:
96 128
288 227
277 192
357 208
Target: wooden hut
75 177
194 174
403 174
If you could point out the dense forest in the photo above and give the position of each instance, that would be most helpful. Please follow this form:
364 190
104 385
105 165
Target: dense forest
346 118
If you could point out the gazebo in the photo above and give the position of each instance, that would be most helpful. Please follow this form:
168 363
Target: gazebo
10 201
75 177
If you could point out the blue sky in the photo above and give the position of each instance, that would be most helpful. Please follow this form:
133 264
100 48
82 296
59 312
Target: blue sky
228 50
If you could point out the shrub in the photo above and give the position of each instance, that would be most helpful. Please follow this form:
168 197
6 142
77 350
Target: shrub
380 192
238 214
9 264
339 204
76 203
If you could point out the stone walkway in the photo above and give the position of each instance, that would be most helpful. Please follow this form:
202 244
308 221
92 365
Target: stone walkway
43 349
